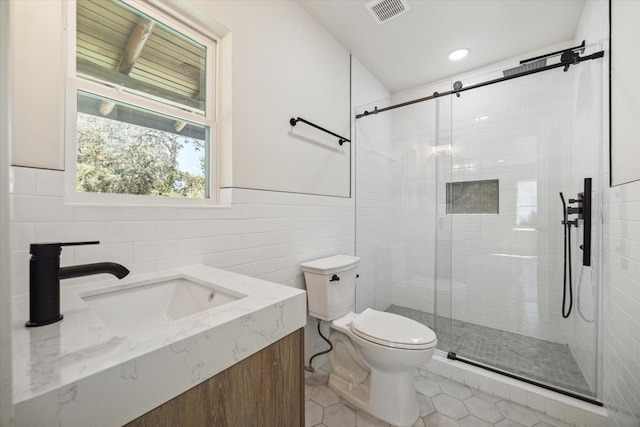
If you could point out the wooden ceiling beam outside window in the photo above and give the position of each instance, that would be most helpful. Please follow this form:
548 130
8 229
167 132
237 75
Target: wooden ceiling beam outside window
130 56
119 46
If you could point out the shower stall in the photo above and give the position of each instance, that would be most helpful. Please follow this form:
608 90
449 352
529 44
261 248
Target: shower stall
459 223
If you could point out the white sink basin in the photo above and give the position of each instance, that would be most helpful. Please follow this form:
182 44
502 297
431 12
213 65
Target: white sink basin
140 306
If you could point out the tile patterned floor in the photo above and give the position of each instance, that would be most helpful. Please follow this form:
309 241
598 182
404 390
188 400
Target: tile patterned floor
443 402
540 360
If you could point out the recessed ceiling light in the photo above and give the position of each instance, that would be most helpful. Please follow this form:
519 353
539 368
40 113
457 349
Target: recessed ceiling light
458 54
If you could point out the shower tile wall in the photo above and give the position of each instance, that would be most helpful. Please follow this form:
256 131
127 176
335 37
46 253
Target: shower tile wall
413 173
372 186
620 287
590 159
621 264
507 268
373 210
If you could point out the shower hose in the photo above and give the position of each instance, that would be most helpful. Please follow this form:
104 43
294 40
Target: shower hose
567 262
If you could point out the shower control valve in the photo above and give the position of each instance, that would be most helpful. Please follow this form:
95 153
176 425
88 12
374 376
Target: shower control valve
574 211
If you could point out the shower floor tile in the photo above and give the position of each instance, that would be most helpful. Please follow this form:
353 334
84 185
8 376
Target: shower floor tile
533 358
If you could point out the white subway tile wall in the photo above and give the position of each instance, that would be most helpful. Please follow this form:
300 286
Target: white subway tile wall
413 177
506 274
588 154
373 213
264 234
371 185
508 267
620 290
621 264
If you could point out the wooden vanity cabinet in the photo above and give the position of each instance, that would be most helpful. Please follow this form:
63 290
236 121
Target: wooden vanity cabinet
265 389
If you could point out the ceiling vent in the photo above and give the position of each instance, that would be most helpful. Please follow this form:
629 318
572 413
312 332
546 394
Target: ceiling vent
385 10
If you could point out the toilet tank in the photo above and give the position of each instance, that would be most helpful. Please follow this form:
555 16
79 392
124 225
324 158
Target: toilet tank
331 286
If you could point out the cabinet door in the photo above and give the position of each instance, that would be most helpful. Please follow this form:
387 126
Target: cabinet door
266 389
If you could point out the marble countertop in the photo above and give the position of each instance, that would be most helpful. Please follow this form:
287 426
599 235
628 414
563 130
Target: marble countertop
78 372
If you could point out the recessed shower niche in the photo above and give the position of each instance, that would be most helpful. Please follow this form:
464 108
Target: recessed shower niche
473 197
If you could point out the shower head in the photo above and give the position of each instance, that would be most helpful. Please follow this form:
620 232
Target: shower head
527 66
564 208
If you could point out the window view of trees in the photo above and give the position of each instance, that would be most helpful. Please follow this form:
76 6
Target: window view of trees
117 157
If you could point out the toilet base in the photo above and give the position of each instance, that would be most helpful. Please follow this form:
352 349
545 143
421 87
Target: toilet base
395 403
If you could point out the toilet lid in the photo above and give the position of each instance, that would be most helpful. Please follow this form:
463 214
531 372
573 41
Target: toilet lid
330 265
392 330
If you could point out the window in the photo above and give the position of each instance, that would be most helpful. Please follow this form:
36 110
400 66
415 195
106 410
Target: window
473 197
527 203
144 113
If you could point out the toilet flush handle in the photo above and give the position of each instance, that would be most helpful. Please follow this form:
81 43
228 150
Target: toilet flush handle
334 278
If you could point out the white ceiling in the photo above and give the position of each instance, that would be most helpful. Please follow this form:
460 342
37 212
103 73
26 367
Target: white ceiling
412 49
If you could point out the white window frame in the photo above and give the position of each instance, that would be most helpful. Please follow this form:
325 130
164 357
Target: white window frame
181 24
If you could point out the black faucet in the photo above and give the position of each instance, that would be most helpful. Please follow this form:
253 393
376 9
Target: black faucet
45 275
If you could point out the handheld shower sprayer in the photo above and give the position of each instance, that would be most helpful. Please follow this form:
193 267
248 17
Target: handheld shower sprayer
583 211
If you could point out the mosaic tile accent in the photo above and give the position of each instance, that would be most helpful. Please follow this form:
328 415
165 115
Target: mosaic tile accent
537 359
443 403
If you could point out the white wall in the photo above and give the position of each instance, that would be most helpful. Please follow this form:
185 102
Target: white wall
6 410
37 96
286 65
625 91
264 234
280 71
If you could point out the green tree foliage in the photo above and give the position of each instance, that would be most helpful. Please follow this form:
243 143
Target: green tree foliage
116 157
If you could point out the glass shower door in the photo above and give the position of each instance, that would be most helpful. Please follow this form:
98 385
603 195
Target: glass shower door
400 156
513 149
443 224
458 220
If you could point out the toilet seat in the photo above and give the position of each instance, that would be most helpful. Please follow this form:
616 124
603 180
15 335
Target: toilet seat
392 330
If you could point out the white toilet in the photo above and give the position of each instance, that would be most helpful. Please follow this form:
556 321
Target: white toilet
374 353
